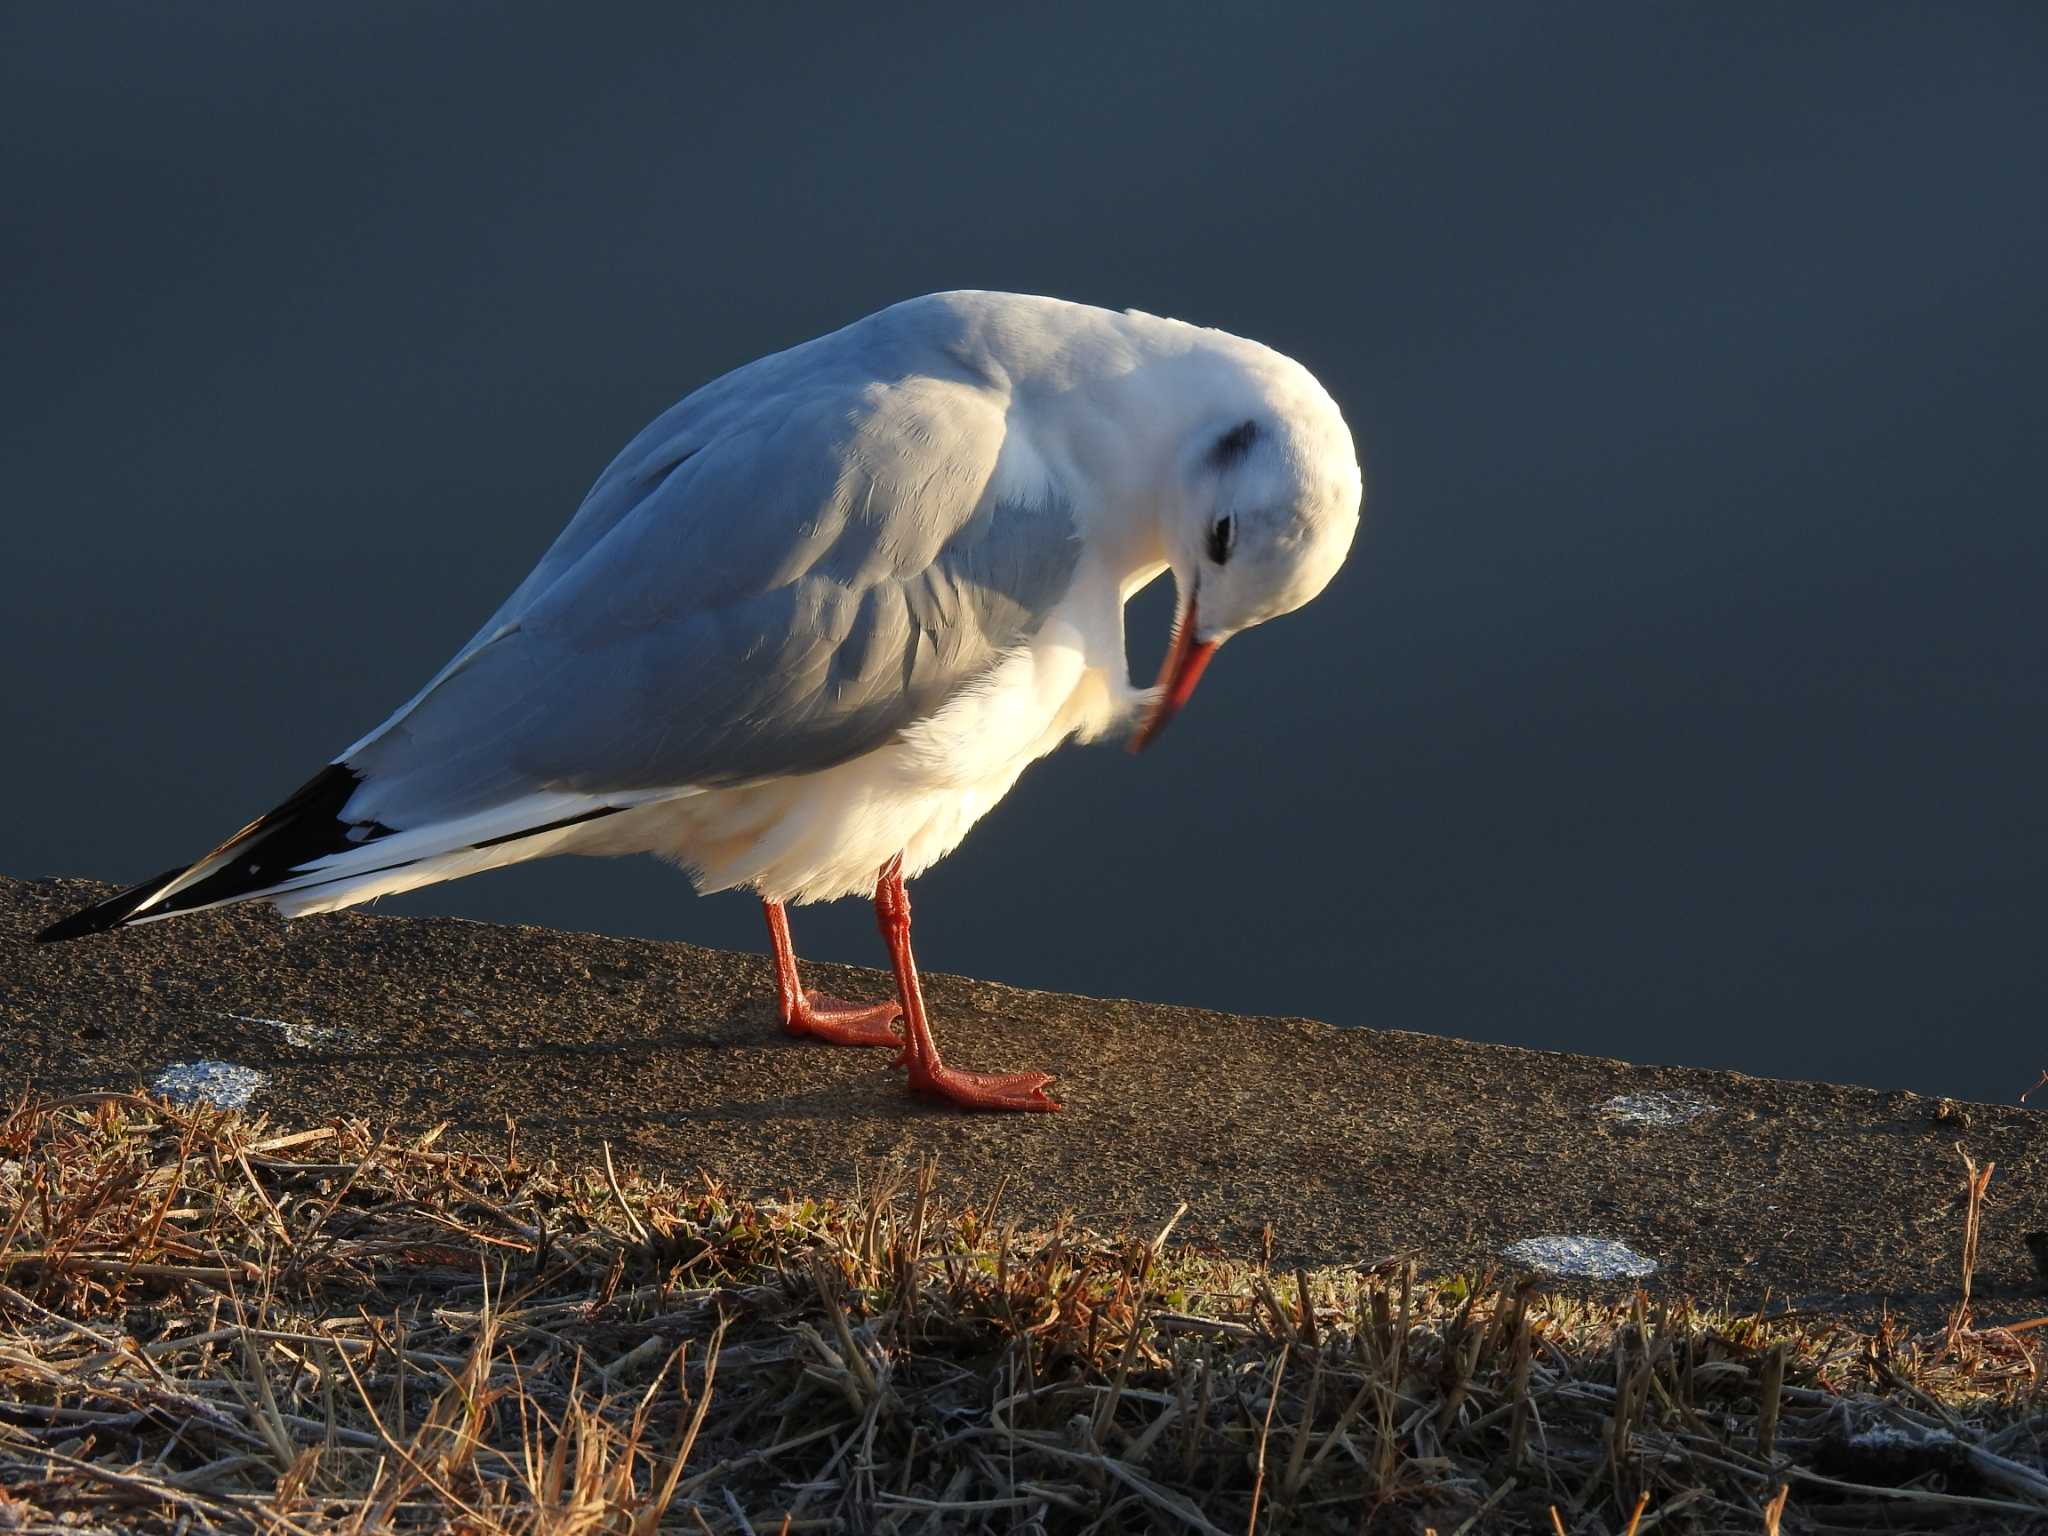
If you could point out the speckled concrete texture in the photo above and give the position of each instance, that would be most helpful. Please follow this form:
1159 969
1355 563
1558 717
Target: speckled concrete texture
1354 1145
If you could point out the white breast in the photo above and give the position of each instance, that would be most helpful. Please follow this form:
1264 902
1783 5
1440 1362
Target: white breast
818 836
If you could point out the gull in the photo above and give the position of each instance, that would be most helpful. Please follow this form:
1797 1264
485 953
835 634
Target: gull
817 618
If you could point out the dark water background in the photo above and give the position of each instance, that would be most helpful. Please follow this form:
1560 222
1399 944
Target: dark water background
1682 700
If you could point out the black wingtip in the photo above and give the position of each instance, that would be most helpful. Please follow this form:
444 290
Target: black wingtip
104 915
306 826
77 926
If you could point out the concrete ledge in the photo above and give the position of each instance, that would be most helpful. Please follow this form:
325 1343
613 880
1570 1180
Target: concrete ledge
1354 1145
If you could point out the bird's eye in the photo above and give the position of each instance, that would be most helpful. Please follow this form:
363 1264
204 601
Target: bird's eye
1222 534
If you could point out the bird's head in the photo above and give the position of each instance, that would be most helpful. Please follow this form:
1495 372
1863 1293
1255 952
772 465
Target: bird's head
1263 514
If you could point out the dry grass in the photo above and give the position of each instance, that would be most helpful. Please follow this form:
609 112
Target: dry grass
207 1325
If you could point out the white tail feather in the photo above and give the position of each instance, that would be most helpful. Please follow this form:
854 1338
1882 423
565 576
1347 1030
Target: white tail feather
530 827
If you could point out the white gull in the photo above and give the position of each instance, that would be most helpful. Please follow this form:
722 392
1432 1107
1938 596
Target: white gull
816 619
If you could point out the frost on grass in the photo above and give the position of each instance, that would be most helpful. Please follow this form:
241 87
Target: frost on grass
220 1083
1587 1258
1658 1107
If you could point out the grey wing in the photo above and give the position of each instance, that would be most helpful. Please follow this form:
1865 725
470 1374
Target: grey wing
779 582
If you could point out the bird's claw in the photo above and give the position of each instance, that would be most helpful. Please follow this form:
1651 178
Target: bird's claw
984 1090
822 1016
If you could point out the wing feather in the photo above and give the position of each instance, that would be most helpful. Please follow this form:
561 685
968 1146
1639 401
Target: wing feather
772 579
780 573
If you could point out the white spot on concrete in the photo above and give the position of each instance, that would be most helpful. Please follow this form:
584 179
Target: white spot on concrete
304 1037
308 1037
1586 1258
220 1083
1658 1107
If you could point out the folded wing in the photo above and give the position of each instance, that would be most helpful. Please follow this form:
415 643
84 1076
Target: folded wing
778 575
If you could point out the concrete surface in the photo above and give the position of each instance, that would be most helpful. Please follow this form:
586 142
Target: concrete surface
1355 1145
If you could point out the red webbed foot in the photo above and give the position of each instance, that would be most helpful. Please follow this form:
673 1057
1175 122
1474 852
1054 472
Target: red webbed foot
838 1022
928 1074
982 1090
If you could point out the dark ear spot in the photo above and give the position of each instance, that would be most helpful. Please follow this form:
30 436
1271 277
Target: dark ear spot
1233 445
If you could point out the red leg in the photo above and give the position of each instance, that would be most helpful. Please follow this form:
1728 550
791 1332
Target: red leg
928 1074
819 1014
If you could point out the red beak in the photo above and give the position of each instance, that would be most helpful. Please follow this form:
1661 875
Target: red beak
1185 658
